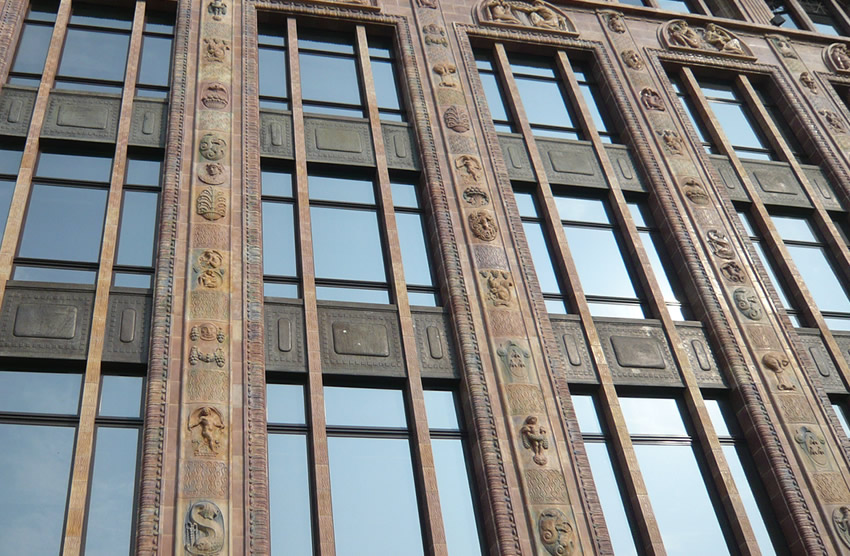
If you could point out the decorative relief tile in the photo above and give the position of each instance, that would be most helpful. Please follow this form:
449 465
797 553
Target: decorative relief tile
81 116
340 141
276 135
571 163
729 178
284 337
822 187
701 356
776 183
637 354
400 146
516 158
570 340
365 341
822 369
434 341
127 328
628 174
16 106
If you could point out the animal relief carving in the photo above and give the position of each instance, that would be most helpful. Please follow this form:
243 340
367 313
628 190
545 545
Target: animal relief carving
456 119
215 50
499 287
206 426
777 363
447 74
203 533
747 302
212 204
556 533
674 143
733 272
719 244
483 225
535 438
651 100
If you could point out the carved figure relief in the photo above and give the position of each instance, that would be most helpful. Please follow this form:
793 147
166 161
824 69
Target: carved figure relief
733 272
203 533
217 356
212 173
432 4
217 9
434 34
651 100
837 57
447 73
215 96
694 191
632 59
535 438
515 359
719 245
210 258
206 332
678 34
777 363
212 147
469 167
833 121
535 13
556 532
212 204
215 50
813 445
499 287
673 141
615 21
783 46
211 278
808 82
747 302
209 267
841 522
456 119
206 425
475 197
483 225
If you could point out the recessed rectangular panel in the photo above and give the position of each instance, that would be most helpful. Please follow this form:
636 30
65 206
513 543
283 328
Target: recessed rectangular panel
38 320
361 339
642 353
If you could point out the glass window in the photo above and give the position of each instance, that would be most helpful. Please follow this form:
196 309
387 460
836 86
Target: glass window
385 77
330 81
595 103
134 259
548 112
155 63
415 252
737 121
680 6
273 65
10 161
693 116
33 44
493 91
280 266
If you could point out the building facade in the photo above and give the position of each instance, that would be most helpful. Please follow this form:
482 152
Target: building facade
503 277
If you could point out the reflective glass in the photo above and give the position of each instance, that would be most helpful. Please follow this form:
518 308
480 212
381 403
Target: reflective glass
356 254
64 223
495 100
652 416
138 228
525 204
745 489
94 55
273 82
717 418
277 183
74 167
35 464
680 502
159 22
356 295
47 274
441 410
540 254
837 323
456 501
101 16
373 497
43 11
7 189
325 42
10 160
404 195
423 299
794 229
109 524
132 280
32 48
285 403
622 310
386 87
820 278
674 6
279 239
778 285
842 418
588 247
738 127
578 209
329 188
156 55
54 393
143 171
651 244
329 79
543 102
605 480
274 289
585 408
364 407
414 252
593 99
120 396
289 495
555 306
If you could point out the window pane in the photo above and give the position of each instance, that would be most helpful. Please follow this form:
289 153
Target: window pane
681 504
455 497
285 403
364 407
738 126
277 183
525 204
585 408
542 258
414 252
794 229
373 496
110 516
754 514
593 99
132 280
7 189
404 195
64 223
543 103
356 295
155 64
652 244
325 42
121 396
441 410
329 188
279 239
495 100
652 416
94 55
35 465
674 6
143 171
74 167
47 274
820 277
55 393
273 289
329 79
717 418
591 245
582 210
32 48
138 228
622 310
101 16
612 501
386 89
289 495
771 272
356 254
273 82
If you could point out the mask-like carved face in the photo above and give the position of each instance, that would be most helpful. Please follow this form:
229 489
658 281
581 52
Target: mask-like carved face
556 533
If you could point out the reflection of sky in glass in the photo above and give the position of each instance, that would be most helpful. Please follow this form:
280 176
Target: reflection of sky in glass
364 407
652 416
820 278
585 409
749 500
373 497
285 403
685 515
610 498
589 246
56 393
356 254
540 256
440 409
455 497
121 396
289 495
35 465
